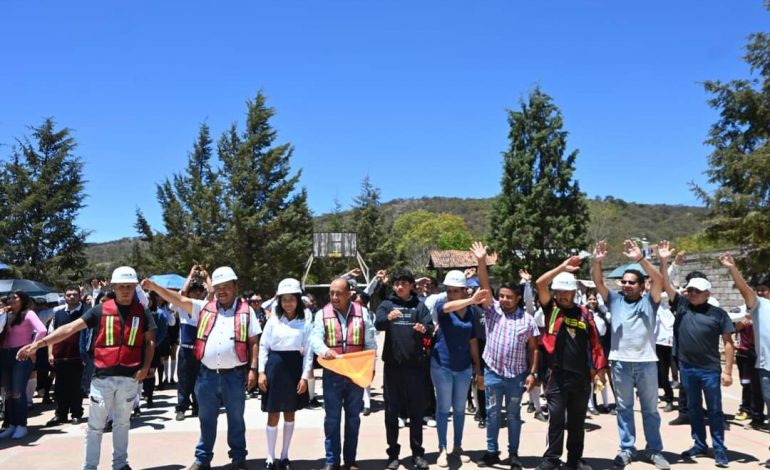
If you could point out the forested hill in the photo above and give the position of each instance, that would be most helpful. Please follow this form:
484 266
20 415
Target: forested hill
612 219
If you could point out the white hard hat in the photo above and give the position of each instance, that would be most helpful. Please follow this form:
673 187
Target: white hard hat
223 274
288 286
455 278
124 275
564 281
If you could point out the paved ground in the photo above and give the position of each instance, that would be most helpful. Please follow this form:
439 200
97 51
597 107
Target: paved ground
159 442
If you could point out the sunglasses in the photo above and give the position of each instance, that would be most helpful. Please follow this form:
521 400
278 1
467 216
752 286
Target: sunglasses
628 283
691 290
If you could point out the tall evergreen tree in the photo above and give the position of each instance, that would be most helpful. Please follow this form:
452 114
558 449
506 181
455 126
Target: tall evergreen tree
371 232
42 195
541 216
740 161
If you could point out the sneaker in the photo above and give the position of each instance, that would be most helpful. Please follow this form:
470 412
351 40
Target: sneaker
471 408
419 463
179 416
56 421
659 461
757 424
693 452
593 410
541 417
742 416
442 460
515 462
531 408
622 459
137 413
669 407
393 465
270 466
482 423
680 420
489 459
549 465
429 421
613 411
314 403
458 452
477 416
401 423
76 420
720 459
284 464
20 432
367 411
7 432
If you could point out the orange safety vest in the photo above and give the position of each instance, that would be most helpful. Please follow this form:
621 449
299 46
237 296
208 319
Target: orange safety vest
120 343
206 322
354 340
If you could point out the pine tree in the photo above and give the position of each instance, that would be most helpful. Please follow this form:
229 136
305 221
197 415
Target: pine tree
43 190
740 161
371 233
541 216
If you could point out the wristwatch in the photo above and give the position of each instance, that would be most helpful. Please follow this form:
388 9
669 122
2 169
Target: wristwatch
253 369
534 374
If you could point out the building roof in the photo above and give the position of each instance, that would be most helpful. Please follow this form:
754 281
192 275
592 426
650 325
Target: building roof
456 259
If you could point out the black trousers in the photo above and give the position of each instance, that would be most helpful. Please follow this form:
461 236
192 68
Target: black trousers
664 367
751 397
187 372
404 387
682 402
567 397
69 397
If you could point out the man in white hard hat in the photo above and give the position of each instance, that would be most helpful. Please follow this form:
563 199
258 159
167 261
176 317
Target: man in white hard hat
124 343
575 357
226 344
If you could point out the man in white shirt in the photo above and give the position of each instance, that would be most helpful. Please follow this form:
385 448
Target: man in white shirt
226 344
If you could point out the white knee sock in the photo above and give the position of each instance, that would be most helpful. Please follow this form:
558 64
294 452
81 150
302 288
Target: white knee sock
272 436
606 395
591 402
534 397
367 397
288 431
31 386
311 387
172 371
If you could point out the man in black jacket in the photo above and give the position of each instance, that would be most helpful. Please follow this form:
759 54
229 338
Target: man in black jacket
406 323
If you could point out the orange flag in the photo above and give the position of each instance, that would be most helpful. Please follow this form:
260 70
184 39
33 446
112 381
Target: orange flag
357 366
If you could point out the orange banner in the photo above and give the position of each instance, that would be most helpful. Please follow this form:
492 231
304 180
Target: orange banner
357 366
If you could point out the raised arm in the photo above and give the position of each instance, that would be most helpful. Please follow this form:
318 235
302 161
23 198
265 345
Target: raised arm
634 253
479 252
600 252
664 253
174 298
479 297
570 265
749 296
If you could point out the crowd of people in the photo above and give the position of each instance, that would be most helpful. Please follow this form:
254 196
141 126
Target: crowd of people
444 351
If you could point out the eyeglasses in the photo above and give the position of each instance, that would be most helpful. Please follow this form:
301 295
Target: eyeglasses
255 301
691 290
627 283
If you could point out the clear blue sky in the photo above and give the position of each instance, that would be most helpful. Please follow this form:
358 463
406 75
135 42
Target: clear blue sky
413 94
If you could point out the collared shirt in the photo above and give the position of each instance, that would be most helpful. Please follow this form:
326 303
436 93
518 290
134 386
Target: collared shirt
761 322
318 337
220 347
281 334
507 335
70 312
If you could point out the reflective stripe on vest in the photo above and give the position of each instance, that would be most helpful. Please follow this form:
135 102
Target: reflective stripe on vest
347 338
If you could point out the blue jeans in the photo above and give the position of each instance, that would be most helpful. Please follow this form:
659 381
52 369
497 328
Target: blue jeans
764 380
109 396
451 392
340 392
497 386
15 375
230 387
699 383
644 377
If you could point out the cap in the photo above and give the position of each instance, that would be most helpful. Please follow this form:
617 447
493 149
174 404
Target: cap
288 286
124 275
564 281
223 274
455 278
699 283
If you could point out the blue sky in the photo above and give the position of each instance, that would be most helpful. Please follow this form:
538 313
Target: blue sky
412 94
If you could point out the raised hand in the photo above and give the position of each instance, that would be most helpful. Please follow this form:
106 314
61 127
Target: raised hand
479 251
600 251
381 274
727 260
148 284
480 296
572 264
665 250
355 272
679 260
525 275
632 251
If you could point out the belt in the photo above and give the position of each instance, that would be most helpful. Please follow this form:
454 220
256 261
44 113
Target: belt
187 346
225 371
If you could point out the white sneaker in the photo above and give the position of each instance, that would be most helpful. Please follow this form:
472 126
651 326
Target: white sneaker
430 422
20 432
442 460
460 454
7 432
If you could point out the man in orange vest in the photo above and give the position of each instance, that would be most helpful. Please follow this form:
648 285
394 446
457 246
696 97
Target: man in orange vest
226 344
341 327
124 344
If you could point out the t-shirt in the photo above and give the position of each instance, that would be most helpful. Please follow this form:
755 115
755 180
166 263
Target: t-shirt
761 324
697 330
453 348
93 319
572 341
633 328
